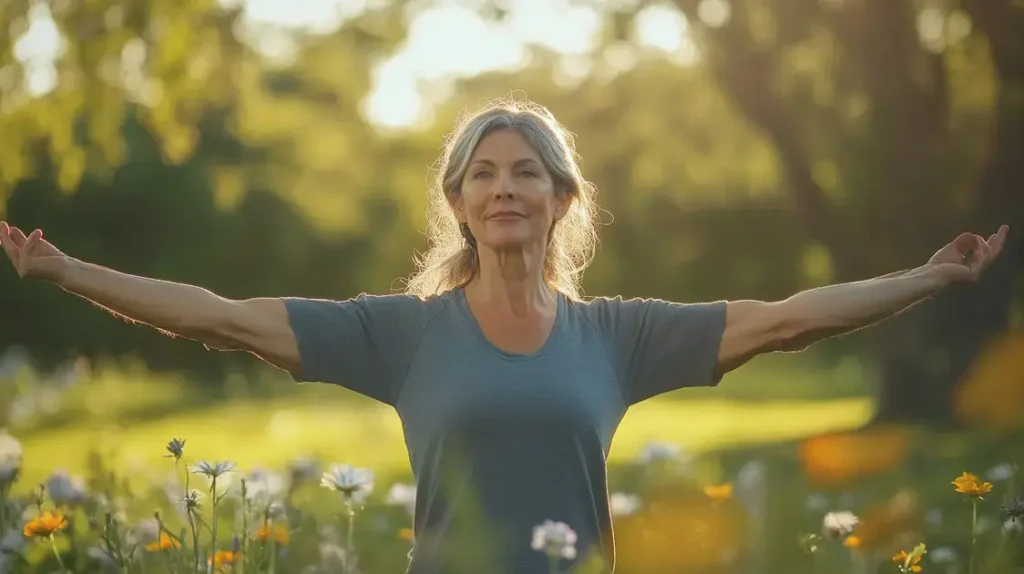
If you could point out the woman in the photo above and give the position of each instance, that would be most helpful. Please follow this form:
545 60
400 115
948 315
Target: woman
509 385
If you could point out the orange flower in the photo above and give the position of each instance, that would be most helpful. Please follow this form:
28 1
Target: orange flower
992 396
278 533
223 559
901 559
164 543
853 542
718 492
406 534
46 525
971 485
837 458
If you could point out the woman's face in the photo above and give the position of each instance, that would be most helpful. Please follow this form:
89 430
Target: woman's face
508 197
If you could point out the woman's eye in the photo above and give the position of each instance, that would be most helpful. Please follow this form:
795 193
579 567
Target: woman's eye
481 174
528 173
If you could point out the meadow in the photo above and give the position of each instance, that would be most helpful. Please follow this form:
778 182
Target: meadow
112 468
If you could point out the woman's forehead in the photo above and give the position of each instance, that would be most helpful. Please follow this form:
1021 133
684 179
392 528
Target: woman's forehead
506 146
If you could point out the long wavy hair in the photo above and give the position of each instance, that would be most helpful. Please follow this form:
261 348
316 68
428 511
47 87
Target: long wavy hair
451 259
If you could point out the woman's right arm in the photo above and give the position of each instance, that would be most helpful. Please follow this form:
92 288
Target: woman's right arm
260 326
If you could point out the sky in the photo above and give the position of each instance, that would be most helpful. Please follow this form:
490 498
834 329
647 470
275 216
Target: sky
435 49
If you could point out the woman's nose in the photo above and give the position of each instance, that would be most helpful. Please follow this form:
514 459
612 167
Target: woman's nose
503 188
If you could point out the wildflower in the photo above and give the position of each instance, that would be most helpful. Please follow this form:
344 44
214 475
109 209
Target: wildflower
406 534
839 524
176 446
304 469
654 452
10 458
149 529
164 542
213 469
46 525
1000 472
65 490
971 485
264 486
192 501
354 483
1013 509
275 532
223 558
556 539
816 502
403 495
910 562
943 555
718 492
1011 526
853 542
623 504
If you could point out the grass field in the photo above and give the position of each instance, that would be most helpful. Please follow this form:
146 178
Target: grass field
127 415
263 433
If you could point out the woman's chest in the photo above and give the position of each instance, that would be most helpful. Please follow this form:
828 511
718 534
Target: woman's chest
466 387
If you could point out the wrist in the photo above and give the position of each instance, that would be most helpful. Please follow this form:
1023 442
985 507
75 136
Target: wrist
934 280
64 274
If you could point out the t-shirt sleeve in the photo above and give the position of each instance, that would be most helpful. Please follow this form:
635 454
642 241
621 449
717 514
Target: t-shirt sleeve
659 346
364 344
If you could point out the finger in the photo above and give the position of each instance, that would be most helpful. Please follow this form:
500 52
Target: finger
999 239
18 236
27 248
982 255
8 243
965 242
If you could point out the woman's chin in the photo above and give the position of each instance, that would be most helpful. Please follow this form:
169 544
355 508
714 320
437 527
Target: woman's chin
508 240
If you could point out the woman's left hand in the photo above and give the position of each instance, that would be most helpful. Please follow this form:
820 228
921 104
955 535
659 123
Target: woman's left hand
967 256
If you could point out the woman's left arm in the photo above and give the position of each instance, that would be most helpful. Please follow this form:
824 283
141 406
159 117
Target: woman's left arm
756 327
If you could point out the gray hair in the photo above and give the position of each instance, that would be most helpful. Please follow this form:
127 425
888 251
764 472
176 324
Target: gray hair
451 260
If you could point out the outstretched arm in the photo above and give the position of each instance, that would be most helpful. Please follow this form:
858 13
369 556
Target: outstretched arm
755 327
260 326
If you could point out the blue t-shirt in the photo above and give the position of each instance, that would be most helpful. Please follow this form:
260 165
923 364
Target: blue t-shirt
501 442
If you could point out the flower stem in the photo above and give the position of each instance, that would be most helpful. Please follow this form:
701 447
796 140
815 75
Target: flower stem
273 556
213 518
350 550
553 563
974 530
60 561
195 538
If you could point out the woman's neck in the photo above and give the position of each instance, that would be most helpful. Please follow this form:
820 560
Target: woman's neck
513 281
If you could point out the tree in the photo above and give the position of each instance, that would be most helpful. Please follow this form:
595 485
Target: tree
871 107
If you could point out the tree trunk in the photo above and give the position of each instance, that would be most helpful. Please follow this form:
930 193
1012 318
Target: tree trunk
928 352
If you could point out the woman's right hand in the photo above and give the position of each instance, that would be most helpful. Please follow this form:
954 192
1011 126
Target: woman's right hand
33 257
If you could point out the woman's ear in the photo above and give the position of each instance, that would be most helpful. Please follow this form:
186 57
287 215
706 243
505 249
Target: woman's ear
455 201
563 201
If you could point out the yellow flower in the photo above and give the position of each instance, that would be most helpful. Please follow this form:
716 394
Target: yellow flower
971 485
406 534
718 492
278 533
45 525
901 559
223 559
164 543
853 542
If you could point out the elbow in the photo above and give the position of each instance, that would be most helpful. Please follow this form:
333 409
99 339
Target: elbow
220 327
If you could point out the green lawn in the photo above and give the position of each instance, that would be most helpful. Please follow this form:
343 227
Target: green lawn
270 433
